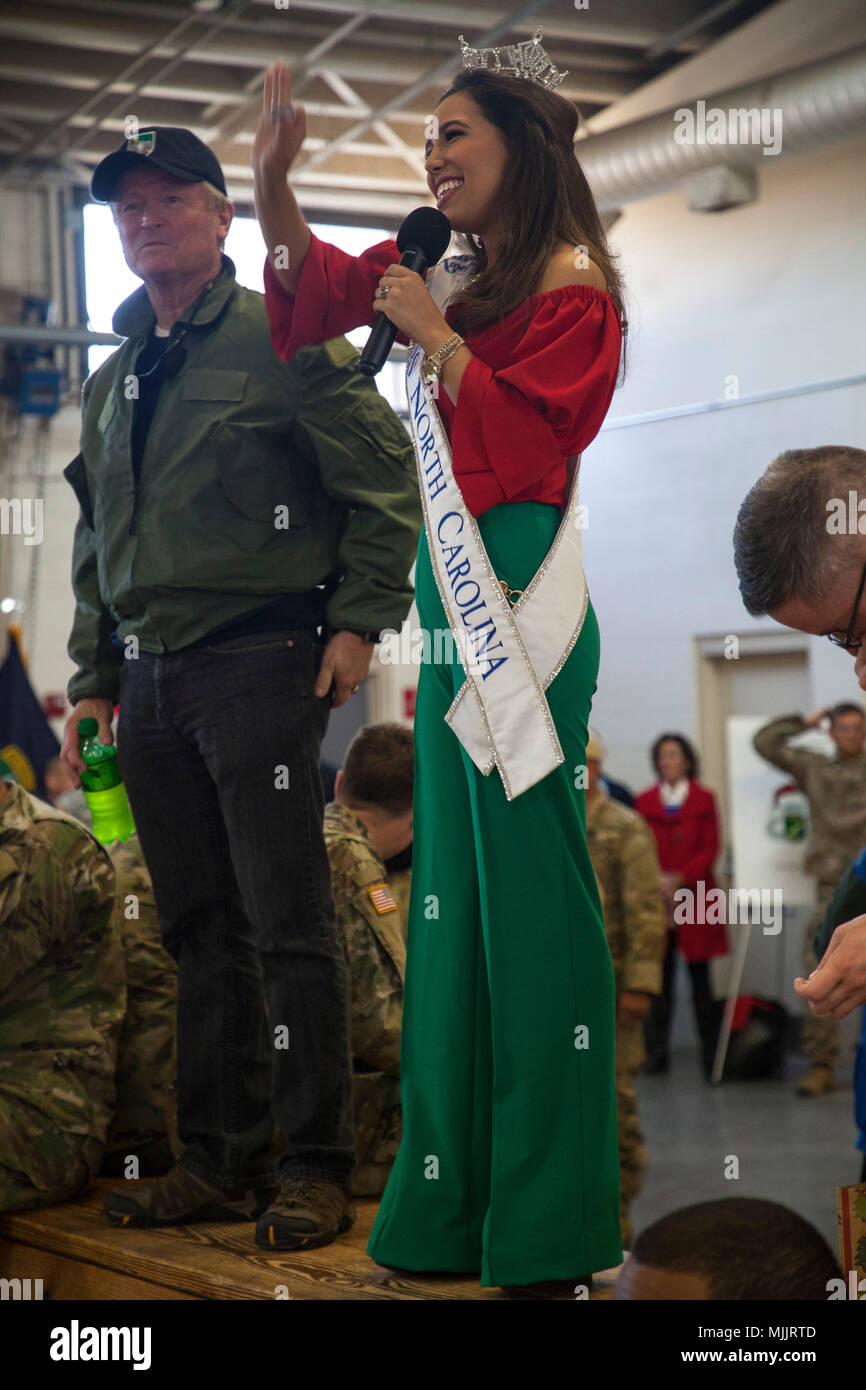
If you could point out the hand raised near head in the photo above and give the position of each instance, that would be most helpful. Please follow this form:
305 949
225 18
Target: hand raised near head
281 129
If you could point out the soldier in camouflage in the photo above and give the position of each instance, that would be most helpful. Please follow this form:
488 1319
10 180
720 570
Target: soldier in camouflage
62 998
146 1071
836 789
371 821
400 883
624 855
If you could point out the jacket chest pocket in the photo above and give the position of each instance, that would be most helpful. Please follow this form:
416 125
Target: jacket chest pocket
208 384
258 485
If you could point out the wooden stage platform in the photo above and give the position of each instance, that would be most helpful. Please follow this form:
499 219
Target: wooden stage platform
79 1256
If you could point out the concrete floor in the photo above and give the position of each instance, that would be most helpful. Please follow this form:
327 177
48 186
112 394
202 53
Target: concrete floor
791 1150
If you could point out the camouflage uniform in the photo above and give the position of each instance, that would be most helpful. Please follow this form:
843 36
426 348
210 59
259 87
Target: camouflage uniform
836 789
400 883
374 939
624 855
145 1077
62 998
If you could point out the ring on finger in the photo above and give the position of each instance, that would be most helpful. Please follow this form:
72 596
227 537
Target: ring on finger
282 112
383 291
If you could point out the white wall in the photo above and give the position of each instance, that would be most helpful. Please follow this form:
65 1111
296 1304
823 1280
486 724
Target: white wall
774 294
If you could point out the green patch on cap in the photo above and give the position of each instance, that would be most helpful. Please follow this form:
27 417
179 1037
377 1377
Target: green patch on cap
144 143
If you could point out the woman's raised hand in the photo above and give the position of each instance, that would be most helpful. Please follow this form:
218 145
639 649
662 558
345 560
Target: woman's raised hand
281 129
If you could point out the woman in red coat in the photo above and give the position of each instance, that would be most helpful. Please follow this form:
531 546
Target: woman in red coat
682 815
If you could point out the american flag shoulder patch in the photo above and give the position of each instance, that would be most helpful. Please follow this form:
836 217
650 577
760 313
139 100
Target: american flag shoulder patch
381 899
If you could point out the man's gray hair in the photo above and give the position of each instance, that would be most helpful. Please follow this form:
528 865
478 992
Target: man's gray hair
216 200
783 546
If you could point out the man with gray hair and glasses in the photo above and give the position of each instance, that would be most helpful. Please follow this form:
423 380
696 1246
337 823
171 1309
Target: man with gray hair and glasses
800 555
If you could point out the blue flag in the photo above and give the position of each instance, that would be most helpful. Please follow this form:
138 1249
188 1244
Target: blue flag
27 741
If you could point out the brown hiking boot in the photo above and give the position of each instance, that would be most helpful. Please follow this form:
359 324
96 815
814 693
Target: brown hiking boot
181 1196
305 1213
817 1082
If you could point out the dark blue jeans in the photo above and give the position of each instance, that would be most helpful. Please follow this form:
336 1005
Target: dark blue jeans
219 750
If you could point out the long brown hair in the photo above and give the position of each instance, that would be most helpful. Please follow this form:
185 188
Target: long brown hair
545 192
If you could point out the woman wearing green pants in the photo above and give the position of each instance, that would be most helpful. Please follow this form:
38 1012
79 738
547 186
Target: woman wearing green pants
509 1156
509 1161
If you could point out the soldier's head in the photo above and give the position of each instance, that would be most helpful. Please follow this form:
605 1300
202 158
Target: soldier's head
848 729
673 757
733 1248
376 782
800 545
168 199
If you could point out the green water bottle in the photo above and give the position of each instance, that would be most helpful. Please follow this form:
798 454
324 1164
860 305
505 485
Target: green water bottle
103 790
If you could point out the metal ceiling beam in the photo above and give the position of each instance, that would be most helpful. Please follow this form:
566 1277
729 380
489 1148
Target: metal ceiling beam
194 16
91 32
381 128
212 83
36 145
440 72
240 184
45 65
233 156
460 18
27 60
35 107
321 179
73 30
37 113
669 43
41 95
359 62
239 118
20 132
246 48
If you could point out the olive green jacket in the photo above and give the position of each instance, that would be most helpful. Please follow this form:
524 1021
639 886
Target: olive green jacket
259 478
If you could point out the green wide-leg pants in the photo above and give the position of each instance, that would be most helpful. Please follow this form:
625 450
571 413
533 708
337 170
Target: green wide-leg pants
509 1160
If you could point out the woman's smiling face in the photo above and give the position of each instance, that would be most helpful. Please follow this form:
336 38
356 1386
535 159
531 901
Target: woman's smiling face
465 165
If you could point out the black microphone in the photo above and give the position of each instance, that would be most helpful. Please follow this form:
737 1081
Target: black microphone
423 239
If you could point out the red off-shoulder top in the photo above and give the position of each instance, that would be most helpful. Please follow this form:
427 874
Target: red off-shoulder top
526 401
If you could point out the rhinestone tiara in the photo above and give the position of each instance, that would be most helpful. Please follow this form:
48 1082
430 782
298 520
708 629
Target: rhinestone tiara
527 59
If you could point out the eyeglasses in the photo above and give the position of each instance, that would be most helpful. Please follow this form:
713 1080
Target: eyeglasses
847 639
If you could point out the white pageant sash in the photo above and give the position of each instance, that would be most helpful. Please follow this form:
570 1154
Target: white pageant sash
509 654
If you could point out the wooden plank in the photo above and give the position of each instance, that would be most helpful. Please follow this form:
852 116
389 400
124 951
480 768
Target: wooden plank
76 1280
219 1260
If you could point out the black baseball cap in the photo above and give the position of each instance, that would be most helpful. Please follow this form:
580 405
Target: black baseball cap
170 148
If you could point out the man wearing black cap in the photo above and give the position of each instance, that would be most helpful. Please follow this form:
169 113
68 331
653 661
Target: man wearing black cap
246 529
